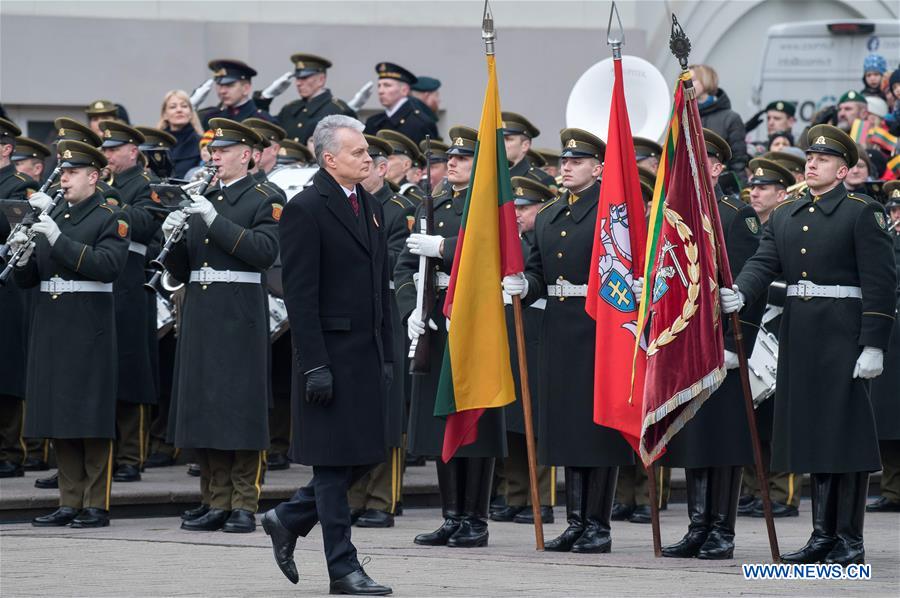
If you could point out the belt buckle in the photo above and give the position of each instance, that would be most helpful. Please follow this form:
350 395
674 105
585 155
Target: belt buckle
57 285
802 292
205 275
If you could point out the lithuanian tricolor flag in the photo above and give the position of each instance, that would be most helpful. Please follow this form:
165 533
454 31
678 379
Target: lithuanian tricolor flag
476 372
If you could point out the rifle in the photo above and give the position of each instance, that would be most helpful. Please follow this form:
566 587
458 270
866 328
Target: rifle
426 290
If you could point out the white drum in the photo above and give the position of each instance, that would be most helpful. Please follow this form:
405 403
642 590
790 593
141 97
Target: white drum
762 366
278 318
292 179
165 316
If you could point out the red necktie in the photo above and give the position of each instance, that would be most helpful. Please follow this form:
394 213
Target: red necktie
354 203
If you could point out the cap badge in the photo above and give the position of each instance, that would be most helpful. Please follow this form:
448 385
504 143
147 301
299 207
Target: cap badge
895 194
851 95
98 105
820 140
220 73
572 143
759 172
107 134
520 191
219 133
62 132
458 141
779 106
67 155
282 151
301 64
382 67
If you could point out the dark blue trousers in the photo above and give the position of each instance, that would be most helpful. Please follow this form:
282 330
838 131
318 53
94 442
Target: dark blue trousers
324 500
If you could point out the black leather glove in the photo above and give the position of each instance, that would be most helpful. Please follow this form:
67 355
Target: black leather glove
320 386
754 121
388 371
827 115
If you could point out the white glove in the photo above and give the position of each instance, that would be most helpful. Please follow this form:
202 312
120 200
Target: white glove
173 221
870 363
515 284
26 255
278 86
415 327
732 299
201 205
731 360
40 201
638 288
47 227
17 240
427 245
201 92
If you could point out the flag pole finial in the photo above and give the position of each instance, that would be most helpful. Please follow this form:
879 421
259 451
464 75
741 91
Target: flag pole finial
487 29
679 44
616 42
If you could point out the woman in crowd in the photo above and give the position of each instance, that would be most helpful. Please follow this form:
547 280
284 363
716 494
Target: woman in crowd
178 118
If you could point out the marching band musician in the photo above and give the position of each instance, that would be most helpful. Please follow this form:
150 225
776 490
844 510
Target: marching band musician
80 250
221 390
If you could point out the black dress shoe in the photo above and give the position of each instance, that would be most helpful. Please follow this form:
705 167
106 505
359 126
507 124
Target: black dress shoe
60 517
159 460
276 462
565 541
241 521
498 502
641 514
375 518
505 514
193 470
472 533
194 513
718 546
212 521
526 515
441 535
49 483
8 469
594 540
358 583
398 509
883 505
283 544
778 510
745 509
621 512
91 517
844 553
35 464
127 473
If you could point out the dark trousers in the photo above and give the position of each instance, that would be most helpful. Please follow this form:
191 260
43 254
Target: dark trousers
280 424
131 433
890 469
324 500
12 421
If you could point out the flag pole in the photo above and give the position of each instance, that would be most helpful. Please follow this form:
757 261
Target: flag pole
681 47
615 42
490 37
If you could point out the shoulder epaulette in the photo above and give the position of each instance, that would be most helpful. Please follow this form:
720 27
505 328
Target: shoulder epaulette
861 198
146 176
108 208
21 177
398 202
729 201
549 204
784 203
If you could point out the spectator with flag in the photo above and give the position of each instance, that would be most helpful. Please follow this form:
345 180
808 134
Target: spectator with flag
557 270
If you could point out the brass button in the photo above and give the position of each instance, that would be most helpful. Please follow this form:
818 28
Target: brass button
803 250
402 120
803 274
54 296
304 110
568 212
205 264
220 197
559 278
440 225
559 254
562 298
66 216
805 228
562 234
812 209
203 287
206 241
447 207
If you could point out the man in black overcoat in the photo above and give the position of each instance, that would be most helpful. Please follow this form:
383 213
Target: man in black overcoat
335 274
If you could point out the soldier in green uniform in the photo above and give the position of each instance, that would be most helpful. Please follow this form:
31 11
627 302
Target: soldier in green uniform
271 135
551 162
834 251
300 117
29 158
13 185
293 153
222 374
437 165
518 133
465 481
426 92
557 270
136 330
99 111
405 159
375 497
793 160
514 486
886 388
80 249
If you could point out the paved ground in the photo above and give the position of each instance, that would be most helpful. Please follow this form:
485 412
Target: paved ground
152 557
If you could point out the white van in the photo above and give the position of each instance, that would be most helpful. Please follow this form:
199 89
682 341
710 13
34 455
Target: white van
813 63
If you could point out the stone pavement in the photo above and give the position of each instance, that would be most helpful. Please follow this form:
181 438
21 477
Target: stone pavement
152 557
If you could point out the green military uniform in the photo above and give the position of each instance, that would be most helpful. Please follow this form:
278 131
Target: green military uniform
72 401
835 253
514 479
633 493
401 145
886 387
376 495
516 124
135 329
293 152
300 117
12 321
220 396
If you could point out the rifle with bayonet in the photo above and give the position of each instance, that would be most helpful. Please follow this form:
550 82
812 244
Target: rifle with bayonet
426 289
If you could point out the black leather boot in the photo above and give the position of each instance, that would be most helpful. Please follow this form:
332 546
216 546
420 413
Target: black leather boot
726 487
851 510
601 491
823 490
450 487
473 531
698 503
574 512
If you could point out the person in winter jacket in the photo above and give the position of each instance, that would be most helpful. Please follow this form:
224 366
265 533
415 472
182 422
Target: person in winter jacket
716 114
